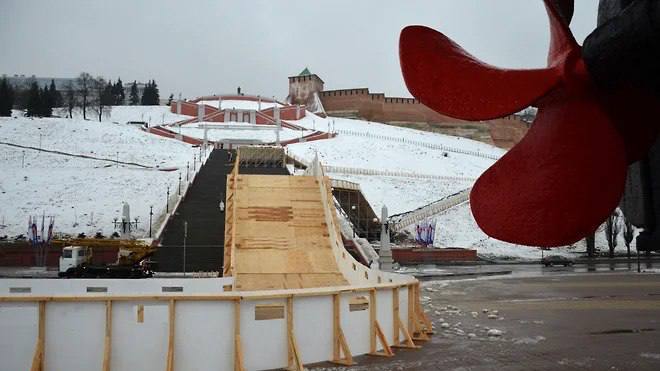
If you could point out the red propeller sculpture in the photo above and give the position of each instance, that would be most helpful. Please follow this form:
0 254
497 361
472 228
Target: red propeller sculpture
568 173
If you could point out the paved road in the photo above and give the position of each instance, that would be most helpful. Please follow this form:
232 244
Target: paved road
537 269
607 321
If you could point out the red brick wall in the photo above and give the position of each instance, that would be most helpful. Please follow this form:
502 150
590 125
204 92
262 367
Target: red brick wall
505 132
508 131
187 108
25 256
377 107
430 256
190 109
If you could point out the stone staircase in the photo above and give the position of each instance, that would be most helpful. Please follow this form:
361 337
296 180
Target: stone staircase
205 222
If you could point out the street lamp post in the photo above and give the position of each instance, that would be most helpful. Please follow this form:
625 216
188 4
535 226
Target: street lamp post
356 225
179 189
167 201
187 170
151 213
185 236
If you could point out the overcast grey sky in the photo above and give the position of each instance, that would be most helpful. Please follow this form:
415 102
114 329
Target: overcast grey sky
204 47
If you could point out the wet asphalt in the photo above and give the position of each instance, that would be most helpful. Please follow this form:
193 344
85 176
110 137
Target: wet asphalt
576 318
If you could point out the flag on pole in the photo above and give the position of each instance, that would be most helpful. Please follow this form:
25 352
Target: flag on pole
50 229
34 234
43 221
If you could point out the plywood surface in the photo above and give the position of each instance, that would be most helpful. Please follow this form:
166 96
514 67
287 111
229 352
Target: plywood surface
282 240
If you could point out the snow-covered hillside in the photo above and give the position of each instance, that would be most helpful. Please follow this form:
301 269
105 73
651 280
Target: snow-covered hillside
400 194
84 195
369 145
152 115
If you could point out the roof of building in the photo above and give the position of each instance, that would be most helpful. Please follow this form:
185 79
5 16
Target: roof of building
304 74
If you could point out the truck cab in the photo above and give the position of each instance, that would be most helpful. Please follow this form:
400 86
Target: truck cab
74 256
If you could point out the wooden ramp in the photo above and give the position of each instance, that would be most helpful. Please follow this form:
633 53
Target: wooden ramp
279 234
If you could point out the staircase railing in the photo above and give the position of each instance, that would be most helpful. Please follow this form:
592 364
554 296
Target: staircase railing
230 220
419 143
392 173
399 222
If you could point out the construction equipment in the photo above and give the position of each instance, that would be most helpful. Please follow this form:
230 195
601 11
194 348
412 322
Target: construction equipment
76 260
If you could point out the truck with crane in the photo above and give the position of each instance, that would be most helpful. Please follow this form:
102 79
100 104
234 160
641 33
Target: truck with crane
132 261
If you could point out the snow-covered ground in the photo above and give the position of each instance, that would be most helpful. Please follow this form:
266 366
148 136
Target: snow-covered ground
399 194
84 195
455 227
152 115
395 192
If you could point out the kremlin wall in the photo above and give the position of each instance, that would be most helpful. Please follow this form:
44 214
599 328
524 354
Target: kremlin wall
307 88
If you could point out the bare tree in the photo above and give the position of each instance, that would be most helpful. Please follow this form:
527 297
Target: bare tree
590 240
100 97
70 98
628 234
612 230
84 83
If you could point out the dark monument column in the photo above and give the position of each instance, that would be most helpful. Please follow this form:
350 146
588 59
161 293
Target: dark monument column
626 50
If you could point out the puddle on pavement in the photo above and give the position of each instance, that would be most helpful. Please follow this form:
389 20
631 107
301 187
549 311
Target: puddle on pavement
622 331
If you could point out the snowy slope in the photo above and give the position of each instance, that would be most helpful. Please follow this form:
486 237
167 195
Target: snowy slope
100 139
152 115
456 227
400 194
83 195
86 195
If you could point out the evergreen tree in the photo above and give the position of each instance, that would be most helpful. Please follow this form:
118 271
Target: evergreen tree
55 95
108 95
21 93
45 102
134 97
155 96
150 96
170 99
6 97
118 93
146 94
33 104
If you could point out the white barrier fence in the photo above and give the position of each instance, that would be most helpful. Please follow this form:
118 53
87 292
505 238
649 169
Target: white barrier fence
392 173
429 210
185 324
345 184
417 143
378 172
298 159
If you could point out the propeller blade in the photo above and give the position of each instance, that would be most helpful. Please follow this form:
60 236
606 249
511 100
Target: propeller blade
560 182
449 80
562 41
